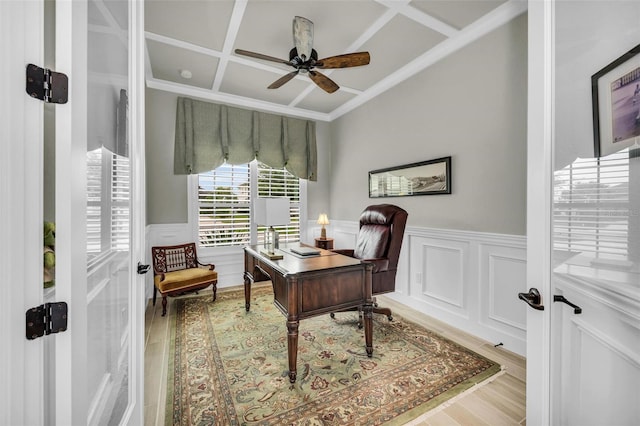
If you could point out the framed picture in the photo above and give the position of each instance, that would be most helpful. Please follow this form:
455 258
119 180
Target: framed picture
423 178
615 91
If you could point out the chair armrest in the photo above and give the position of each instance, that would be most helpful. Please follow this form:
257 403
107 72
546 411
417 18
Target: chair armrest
160 274
210 265
379 264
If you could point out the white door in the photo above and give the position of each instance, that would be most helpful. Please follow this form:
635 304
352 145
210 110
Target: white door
91 373
595 348
583 361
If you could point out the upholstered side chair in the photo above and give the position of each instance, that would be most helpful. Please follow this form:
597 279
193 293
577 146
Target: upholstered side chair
378 242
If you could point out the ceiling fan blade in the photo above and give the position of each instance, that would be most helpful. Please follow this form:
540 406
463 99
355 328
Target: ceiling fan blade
344 61
261 56
282 80
303 36
324 82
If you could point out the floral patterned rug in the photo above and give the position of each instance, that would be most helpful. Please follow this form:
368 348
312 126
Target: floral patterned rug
229 367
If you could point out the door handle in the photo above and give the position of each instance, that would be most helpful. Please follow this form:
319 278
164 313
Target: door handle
558 298
532 298
143 269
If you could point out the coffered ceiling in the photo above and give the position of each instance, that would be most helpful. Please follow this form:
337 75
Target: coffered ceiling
403 37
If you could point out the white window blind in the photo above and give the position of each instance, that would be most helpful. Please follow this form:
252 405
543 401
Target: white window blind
224 203
280 183
108 183
224 215
94 206
120 196
591 207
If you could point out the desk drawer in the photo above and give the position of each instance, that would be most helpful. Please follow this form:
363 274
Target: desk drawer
259 271
343 290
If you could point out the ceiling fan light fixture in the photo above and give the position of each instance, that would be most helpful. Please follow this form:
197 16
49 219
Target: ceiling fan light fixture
304 58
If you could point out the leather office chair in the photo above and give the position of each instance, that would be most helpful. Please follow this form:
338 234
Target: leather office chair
379 241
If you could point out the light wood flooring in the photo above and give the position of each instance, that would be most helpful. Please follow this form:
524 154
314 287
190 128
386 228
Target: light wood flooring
500 401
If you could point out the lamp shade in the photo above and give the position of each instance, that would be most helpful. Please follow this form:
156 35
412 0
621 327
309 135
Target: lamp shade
323 219
272 211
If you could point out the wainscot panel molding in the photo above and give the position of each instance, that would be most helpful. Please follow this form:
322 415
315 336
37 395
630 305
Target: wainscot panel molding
605 333
467 279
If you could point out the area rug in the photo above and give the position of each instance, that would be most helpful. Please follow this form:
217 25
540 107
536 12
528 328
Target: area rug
229 367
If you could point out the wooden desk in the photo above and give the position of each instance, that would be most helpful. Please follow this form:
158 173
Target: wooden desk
305 287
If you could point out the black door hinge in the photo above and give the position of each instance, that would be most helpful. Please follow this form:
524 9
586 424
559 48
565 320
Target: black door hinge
47 85
46 319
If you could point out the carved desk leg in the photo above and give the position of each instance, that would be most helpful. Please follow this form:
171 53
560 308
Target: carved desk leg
368 329
247 291
368 310
292 348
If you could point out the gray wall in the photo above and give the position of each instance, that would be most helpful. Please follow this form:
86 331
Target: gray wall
167 193
470 106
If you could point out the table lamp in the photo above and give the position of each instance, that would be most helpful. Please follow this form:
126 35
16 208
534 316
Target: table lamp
323 220
270 212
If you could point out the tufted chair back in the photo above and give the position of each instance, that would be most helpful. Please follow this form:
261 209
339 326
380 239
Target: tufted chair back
379 241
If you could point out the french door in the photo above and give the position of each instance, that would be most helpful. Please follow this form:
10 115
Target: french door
583 348
79 165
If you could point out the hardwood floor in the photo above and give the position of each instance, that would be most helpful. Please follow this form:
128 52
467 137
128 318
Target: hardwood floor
500 401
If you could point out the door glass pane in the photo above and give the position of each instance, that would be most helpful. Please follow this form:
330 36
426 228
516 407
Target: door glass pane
596 215
107 212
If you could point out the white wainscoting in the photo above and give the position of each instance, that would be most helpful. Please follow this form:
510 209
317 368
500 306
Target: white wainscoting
469 280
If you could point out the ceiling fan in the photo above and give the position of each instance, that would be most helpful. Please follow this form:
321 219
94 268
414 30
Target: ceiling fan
304 58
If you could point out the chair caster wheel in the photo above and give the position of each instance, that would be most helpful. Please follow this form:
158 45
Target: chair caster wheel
332 315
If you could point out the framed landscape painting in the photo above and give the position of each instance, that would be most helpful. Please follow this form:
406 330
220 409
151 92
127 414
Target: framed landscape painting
423 178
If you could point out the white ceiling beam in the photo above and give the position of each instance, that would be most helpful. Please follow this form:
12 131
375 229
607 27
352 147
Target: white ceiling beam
148 69
232 32
498 17
428 21
112 22
185 90
181 44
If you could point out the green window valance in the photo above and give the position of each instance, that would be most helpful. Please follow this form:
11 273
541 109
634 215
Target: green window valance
209 134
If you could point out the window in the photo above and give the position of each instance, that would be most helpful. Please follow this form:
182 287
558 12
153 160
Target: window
591 207
224 203
108 183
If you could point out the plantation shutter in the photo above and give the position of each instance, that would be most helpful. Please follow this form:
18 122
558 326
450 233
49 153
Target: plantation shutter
274 182
225 203
224 206
120 184
94 194
109 231
591 207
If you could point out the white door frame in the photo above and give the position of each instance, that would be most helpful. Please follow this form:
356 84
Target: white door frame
21 136
139 217
71 273
539 190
